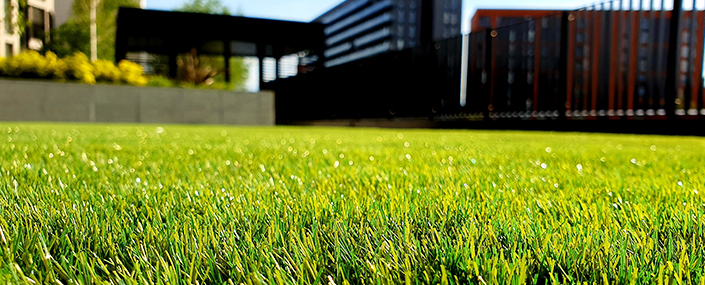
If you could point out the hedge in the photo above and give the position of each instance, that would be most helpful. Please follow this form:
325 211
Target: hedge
31 64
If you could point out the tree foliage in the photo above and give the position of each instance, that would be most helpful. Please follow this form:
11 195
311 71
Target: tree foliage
204 6
74 35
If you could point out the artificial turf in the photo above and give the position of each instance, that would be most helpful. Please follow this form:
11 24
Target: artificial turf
148 204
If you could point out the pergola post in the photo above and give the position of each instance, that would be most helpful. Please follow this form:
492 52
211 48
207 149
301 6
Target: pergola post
261 71
173 68
276 69
227 54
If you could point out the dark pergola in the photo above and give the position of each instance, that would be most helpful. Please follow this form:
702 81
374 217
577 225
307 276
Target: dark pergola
172 33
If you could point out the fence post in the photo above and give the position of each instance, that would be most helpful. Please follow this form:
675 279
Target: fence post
563 65
489 68
672 64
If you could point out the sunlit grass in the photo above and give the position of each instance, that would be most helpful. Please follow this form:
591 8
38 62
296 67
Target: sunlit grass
84 204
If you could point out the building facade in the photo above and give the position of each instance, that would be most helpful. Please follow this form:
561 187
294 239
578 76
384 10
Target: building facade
357 29
64 13
40 17
616 60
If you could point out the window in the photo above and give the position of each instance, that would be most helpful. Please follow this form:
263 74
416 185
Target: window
512 36
371 37
8 50
685 51
643 53
384 18
343 11
379 6
580 51
8 17
36 18
485 22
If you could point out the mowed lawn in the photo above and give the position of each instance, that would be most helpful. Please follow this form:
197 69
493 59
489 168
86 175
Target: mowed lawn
148 204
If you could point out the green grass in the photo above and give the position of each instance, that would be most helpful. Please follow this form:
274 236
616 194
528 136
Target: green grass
84 204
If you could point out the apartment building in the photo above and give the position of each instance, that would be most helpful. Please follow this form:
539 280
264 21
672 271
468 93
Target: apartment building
40 17
358 29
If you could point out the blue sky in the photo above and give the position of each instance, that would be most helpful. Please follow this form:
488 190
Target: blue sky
307 10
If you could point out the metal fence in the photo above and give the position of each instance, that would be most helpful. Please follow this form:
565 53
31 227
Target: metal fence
620 60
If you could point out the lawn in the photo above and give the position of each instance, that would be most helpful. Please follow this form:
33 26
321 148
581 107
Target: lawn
148 204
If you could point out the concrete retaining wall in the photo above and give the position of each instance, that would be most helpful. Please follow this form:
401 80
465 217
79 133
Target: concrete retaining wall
28 100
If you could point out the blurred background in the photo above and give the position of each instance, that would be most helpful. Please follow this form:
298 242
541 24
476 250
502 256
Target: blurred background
448 62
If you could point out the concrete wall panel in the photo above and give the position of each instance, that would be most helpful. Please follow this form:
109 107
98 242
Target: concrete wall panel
21 101
117 105
241 109
202 107
67 102
159 105
24 100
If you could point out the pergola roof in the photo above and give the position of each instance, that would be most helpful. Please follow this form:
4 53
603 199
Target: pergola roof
165 32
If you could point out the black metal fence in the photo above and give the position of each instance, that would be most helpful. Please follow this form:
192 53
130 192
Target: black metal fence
619 60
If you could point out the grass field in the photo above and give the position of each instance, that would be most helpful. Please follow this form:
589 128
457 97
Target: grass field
84 204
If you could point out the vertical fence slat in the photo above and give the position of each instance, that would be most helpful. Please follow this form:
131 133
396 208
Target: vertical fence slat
569 106
537 67
588 71
595 60
652 77
673 59
692 78
565 73
615 55
489 71
634 51
622 65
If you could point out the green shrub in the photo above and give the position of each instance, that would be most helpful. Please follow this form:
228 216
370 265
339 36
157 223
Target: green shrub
160 81
32 64
26 64
80 68
2 66
132 73
106 71
55 67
